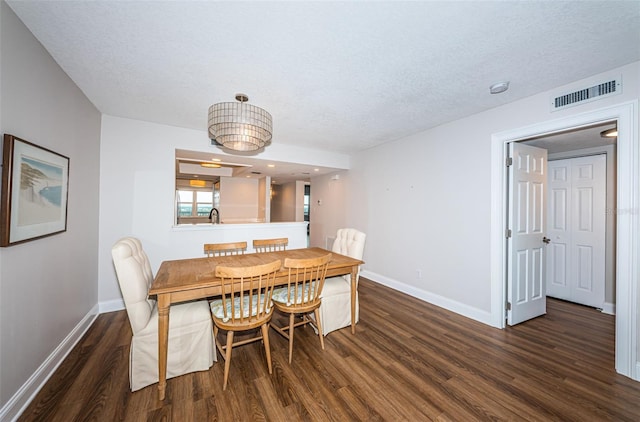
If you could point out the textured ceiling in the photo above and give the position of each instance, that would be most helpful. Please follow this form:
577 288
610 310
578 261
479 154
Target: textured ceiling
343 76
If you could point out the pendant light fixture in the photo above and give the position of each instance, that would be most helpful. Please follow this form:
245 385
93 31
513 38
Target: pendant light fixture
240 126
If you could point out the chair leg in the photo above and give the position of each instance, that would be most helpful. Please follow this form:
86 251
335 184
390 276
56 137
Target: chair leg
267 349
227 358
291 328
219 346
316 312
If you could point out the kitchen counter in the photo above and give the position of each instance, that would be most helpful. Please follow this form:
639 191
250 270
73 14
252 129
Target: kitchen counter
190 238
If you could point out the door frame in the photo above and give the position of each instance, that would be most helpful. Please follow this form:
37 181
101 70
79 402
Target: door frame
627 228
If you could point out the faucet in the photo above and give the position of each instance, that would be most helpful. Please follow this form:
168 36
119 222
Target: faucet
217 213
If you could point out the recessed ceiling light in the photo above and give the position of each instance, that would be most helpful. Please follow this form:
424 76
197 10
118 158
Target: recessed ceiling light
610 133
499 87
271 165
316 169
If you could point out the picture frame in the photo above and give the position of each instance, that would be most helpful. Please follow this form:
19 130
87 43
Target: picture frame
34 196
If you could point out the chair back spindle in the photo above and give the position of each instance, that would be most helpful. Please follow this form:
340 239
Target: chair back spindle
224 249
270 245
247 286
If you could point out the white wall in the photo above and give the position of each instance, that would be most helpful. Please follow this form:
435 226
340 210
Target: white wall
330 207
276 203
239 199
431 193
137 194
264 211
284 202
49 286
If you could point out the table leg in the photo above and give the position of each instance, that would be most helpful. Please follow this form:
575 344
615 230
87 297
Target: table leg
354 291
163 341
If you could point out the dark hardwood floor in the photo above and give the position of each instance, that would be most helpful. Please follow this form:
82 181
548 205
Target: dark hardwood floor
409 361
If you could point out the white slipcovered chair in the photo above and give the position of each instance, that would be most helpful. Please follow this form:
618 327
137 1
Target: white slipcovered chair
335 310
191 346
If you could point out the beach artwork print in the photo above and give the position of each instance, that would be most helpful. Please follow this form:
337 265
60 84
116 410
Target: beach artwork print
35 185
40 196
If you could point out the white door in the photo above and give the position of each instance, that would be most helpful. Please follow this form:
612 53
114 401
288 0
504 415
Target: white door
527 176
576 227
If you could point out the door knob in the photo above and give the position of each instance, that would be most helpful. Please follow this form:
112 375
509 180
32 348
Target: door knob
546 240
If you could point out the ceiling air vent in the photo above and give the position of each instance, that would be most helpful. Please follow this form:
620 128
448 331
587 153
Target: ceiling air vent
595 92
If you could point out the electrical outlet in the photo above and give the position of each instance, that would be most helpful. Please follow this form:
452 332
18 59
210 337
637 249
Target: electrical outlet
419 273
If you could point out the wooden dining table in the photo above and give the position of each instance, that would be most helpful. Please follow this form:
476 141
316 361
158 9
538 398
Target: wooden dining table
188 279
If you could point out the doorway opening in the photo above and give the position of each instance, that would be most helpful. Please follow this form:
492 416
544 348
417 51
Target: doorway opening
580 225
627 206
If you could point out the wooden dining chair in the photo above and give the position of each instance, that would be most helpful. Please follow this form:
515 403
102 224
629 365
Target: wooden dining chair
301 295
245 304
271 245
224 249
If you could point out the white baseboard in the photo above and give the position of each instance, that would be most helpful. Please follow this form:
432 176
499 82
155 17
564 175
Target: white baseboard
21 399
111 306
448 304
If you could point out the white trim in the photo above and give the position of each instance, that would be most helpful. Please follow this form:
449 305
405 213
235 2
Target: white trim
440 301
610 309
21 399
111 305
627 234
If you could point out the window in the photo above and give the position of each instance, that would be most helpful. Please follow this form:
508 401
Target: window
194 203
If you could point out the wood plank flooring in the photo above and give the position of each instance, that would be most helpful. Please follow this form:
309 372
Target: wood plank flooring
409 361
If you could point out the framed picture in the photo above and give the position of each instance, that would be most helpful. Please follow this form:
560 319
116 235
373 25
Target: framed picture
35 183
